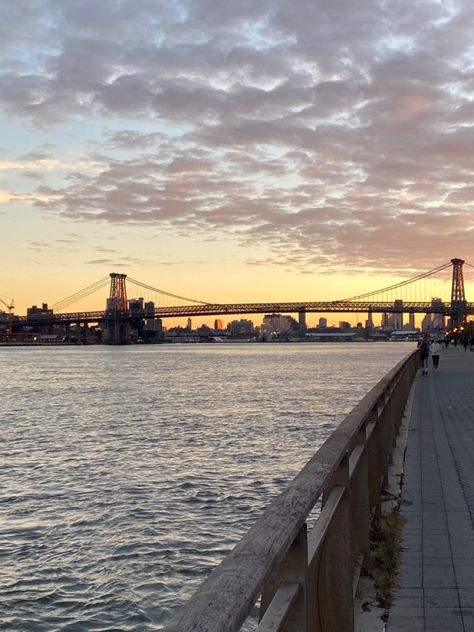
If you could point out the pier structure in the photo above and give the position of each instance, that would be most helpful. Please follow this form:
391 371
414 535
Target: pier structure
305 572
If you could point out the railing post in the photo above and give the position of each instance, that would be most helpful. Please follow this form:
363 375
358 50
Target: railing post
382 443
334 607
359 502
292 569
400 399
389 422
373 462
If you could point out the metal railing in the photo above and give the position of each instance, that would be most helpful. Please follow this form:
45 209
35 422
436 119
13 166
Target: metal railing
307 579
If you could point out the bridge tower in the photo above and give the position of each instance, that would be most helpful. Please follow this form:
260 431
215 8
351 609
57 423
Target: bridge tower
117 329
118 292
458 298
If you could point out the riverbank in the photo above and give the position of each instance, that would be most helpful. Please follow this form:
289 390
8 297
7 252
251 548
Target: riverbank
197 342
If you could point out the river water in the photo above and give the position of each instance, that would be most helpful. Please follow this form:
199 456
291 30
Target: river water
126 473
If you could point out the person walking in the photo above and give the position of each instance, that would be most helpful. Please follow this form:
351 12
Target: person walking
424 347
435 349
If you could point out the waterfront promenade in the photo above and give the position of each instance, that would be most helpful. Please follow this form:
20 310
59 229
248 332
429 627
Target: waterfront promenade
435 586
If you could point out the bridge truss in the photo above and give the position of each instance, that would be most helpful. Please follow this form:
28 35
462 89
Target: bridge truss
170 305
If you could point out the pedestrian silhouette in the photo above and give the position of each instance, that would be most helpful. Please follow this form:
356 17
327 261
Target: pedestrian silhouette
435 349
424 347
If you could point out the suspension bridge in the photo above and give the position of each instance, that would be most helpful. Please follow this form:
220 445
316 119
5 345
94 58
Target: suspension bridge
438 291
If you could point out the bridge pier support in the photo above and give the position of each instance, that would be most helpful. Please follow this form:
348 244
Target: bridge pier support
116 331
85 333
302 323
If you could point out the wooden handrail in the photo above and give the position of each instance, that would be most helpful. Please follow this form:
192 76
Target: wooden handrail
224 600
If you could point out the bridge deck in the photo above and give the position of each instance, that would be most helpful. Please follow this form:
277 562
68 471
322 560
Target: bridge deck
436 581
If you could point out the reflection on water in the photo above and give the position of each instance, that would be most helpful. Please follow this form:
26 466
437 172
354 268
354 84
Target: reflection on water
126 473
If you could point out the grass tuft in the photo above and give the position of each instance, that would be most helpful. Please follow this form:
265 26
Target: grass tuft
387 534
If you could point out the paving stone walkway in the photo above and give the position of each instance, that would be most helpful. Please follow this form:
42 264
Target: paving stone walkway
436 581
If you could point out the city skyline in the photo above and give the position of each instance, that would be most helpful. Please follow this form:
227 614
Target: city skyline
232 152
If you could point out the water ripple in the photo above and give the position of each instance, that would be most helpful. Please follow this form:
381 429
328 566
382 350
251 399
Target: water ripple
127 473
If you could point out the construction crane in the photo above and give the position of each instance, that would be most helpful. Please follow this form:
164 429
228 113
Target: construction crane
10 315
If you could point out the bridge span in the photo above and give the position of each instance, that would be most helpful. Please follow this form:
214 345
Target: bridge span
120 309
219 309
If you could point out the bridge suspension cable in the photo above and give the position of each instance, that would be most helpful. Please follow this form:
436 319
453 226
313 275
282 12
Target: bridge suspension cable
104 282
154 289
80 294
395 286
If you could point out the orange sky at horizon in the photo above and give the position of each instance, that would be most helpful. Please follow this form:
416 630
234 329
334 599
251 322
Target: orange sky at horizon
267 286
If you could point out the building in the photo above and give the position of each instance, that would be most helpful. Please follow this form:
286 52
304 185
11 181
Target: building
434 322
135 305
154 325
218 324
279 324
239 328
322 323
438 318
387 321
344 325
398 315
426 323
150 309
38 312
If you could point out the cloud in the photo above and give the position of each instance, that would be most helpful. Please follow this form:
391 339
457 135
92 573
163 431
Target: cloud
119 262
39 246
321 130
69 240
132 140
106 262
48 164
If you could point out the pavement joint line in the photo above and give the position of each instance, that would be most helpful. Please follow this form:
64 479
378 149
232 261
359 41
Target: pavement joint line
437 564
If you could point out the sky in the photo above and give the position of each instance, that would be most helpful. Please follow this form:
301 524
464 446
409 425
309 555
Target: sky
233 150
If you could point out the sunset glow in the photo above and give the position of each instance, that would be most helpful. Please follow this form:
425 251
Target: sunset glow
233 151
